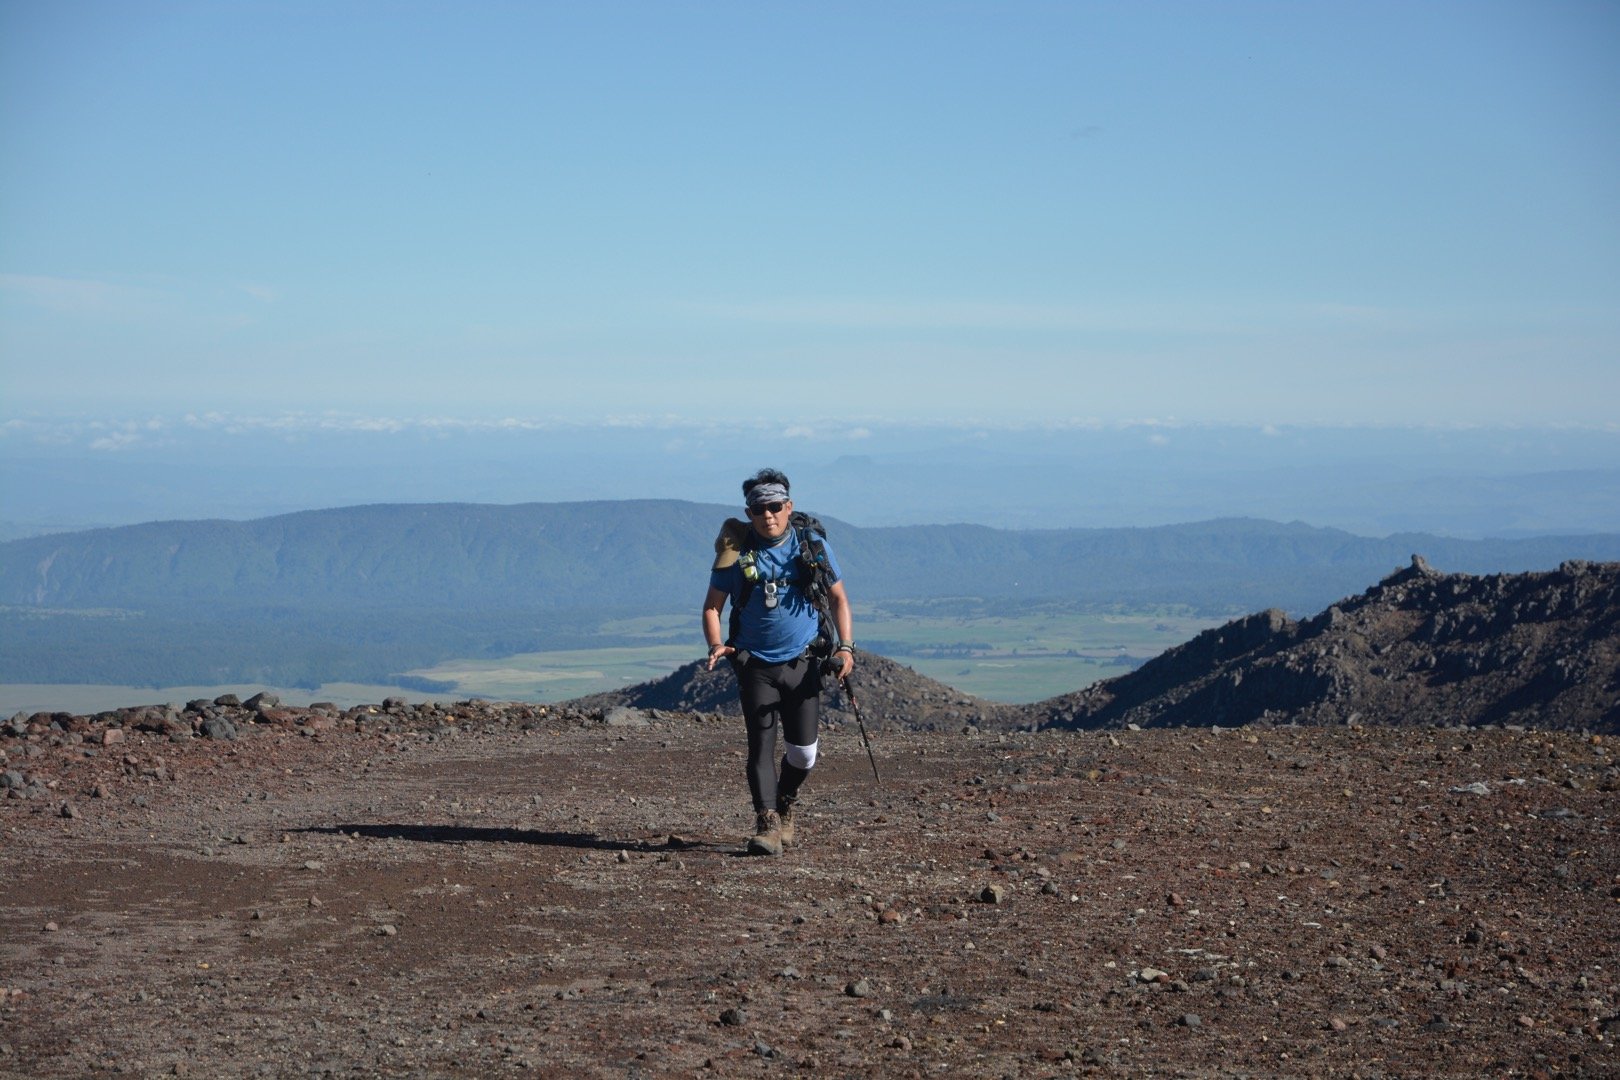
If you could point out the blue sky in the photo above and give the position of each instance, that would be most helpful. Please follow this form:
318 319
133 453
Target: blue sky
1213 212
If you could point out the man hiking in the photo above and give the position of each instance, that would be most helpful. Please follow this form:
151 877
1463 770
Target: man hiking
789 615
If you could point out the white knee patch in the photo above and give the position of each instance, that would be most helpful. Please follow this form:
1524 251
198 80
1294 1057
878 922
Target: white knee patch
801 757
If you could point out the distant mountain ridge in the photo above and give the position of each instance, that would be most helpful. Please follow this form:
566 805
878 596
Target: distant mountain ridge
651 555
367 593
428 555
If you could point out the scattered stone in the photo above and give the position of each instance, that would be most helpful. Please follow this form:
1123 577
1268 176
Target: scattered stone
217 727
734 1018
388 930
992 894
1191 1020
858 989
1478 787
624 716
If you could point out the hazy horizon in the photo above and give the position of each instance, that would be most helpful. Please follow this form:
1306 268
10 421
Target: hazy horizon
1372 480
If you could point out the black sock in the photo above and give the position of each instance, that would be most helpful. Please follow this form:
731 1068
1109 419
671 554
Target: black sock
787 788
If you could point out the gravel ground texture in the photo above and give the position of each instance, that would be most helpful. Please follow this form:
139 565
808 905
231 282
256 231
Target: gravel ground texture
477 890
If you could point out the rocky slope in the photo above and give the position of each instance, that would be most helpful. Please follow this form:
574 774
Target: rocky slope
890 696
1421 647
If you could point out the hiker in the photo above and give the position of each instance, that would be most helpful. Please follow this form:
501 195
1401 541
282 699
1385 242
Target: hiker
789 617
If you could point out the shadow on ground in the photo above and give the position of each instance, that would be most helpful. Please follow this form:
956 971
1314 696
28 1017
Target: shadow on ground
472 834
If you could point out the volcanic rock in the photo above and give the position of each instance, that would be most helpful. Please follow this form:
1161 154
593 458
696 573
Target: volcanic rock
1419 648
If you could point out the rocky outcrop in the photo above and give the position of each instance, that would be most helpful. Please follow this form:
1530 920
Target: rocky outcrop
37 749
1420 647
888 694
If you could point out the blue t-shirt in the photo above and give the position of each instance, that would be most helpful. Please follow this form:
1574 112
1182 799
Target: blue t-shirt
781 633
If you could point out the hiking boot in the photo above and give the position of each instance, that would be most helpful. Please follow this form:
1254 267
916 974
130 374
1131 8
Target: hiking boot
784 811
767 838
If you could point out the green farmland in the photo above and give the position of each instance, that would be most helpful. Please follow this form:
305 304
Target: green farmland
1000 658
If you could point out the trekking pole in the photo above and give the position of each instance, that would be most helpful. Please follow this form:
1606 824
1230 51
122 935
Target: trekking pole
849 695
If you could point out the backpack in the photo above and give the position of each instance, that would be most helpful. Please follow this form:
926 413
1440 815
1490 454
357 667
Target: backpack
736 542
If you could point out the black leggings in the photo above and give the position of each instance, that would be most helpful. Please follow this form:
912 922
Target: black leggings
788 693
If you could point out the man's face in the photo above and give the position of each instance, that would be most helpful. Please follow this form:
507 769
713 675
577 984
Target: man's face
771 519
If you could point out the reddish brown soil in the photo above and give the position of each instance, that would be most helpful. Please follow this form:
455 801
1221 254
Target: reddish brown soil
569 900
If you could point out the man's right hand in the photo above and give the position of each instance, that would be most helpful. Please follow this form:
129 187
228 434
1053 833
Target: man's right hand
718 653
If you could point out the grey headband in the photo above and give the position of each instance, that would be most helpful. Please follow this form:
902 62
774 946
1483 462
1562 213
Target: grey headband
764 493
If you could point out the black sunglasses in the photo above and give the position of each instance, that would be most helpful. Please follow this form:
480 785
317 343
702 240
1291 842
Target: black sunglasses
773 507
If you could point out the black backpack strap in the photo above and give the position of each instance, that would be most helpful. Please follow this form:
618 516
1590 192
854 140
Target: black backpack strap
740 600
818 579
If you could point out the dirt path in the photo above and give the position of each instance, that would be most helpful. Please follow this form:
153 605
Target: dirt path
572 902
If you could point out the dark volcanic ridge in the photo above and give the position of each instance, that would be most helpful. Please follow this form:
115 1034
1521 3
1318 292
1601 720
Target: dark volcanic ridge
1539 650
889 695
